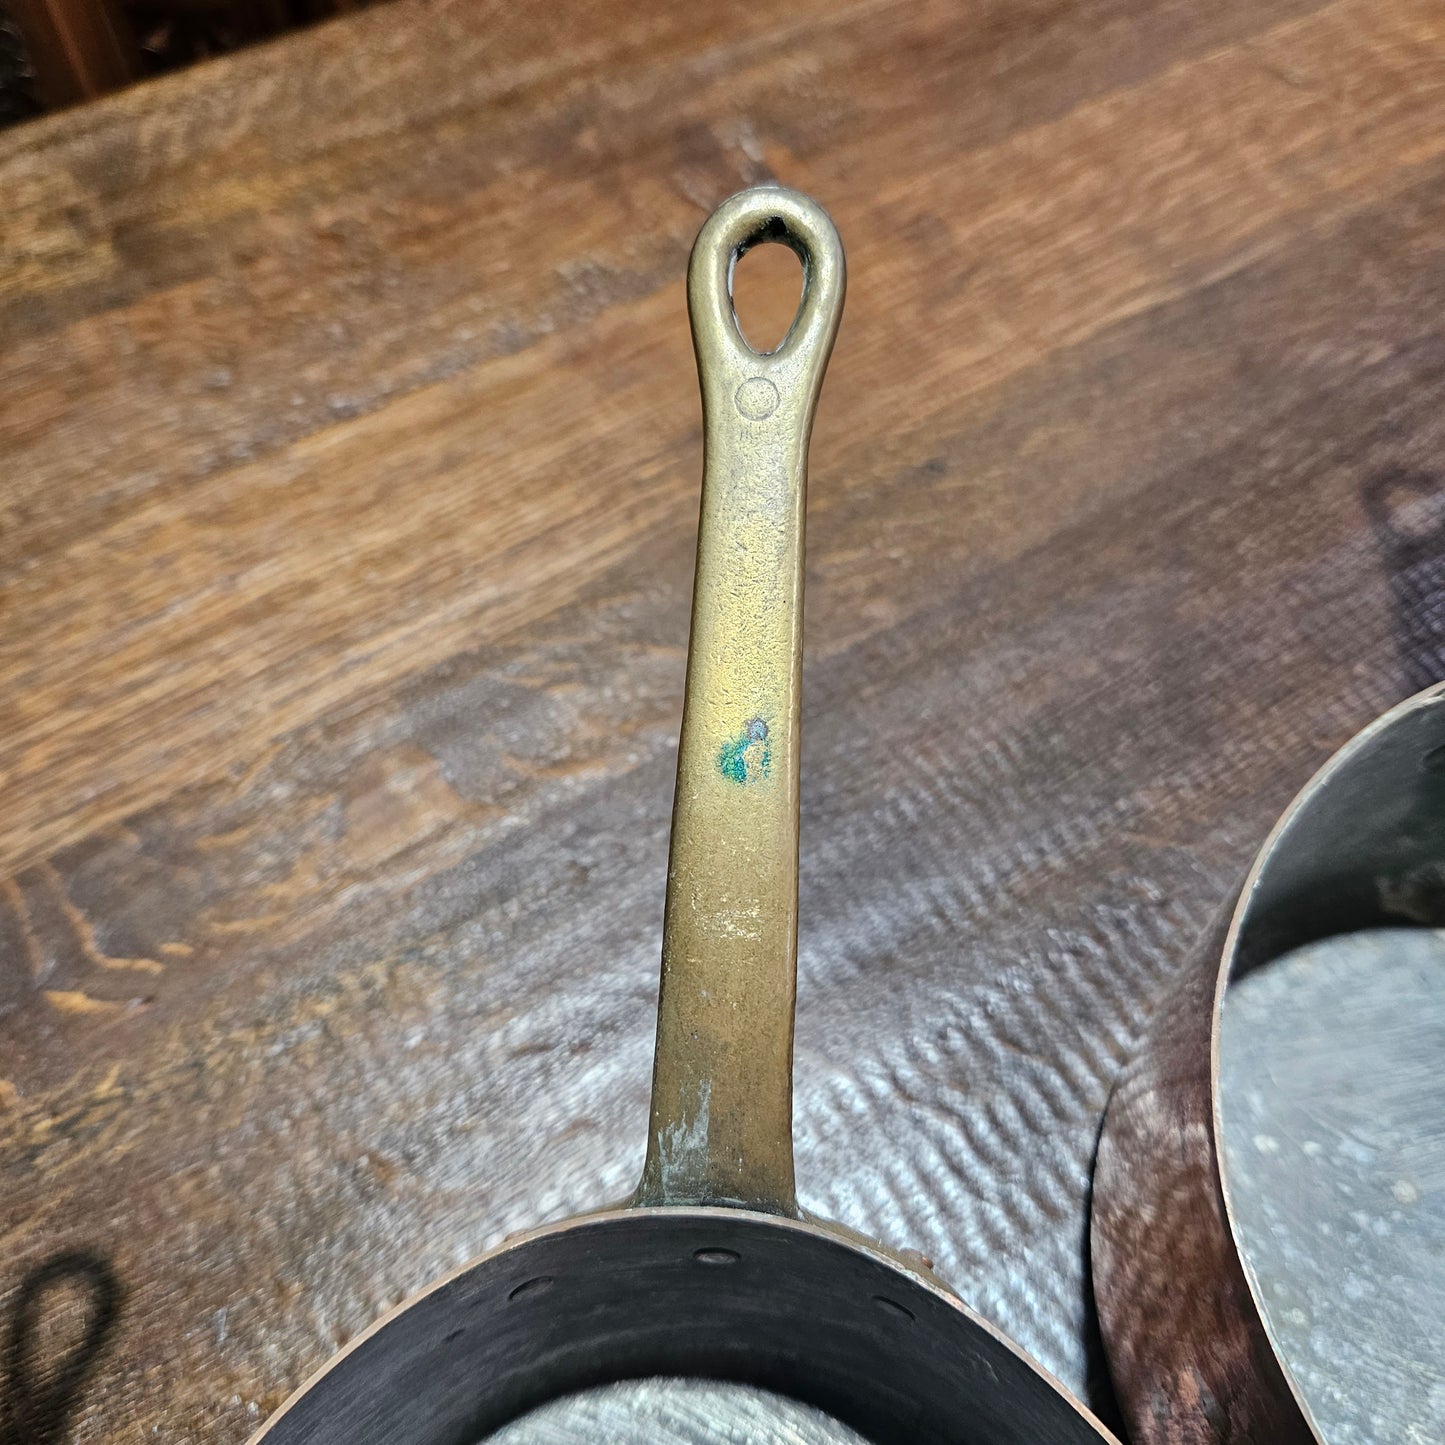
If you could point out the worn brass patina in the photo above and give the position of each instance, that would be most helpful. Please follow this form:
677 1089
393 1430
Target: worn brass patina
721 1129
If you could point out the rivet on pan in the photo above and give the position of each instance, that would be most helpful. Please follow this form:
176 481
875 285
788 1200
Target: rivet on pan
536 1286
892 1307
716 1256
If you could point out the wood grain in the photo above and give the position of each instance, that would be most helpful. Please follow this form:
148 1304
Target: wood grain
351 462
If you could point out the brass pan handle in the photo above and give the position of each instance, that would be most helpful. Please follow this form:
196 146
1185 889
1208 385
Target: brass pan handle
722 1099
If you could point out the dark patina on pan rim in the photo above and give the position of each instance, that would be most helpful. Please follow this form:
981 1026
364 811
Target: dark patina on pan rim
703 1292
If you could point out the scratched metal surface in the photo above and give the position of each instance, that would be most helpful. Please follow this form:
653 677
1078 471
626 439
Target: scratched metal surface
1125 514
1334 1143
676 1412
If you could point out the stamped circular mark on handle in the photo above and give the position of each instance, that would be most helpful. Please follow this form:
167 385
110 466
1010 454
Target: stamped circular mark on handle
721 1128
756 398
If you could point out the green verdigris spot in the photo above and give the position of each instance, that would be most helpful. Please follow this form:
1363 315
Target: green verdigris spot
747 757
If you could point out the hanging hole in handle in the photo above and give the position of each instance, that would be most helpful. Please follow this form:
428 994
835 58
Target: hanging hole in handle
767 293
749 219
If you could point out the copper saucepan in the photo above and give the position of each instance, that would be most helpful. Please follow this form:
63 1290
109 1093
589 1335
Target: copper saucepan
712 1269
1193 1269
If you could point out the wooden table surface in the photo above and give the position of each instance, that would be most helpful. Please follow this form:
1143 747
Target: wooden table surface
350 461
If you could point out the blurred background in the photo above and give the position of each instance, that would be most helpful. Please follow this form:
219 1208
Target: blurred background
55 53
